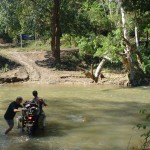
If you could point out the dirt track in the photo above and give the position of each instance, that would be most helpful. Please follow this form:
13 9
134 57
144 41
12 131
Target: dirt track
39 69
36 65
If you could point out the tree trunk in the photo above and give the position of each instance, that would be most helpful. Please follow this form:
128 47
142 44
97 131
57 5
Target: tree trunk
56 31
136 37
135 73
99 69
109 6
127 49
98 73
136 32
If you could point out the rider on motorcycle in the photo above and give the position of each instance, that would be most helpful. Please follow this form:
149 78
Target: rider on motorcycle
40 102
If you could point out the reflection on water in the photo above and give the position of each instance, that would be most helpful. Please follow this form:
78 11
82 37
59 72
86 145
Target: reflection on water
78 117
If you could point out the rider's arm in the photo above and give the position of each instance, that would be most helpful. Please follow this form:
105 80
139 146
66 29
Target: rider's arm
43 103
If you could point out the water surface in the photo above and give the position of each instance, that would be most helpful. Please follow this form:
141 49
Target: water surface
78 117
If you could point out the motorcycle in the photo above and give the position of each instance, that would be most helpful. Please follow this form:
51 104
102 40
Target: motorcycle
31 118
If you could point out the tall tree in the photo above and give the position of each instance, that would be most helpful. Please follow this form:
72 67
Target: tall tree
56 30
132 64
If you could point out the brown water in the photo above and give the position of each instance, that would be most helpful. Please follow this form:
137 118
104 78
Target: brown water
78 117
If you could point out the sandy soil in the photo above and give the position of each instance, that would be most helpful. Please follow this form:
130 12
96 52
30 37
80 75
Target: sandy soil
40 68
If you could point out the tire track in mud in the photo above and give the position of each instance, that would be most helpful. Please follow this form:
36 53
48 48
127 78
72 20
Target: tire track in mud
42 74
27 63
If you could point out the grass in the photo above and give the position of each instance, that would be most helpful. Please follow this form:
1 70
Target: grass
37 45
28 46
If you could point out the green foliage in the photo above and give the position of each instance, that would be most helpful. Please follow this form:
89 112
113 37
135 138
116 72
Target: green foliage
9 17
144 125
68 40
146 59
93 26
73 20
141 5
87 46
97 16
5 68
138 13
83 18
111 45
27 16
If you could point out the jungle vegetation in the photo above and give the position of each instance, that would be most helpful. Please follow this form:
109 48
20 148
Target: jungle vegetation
115 31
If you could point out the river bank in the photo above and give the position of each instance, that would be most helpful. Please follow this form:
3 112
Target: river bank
38 67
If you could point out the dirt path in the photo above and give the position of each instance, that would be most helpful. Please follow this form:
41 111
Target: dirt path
39 70
28 63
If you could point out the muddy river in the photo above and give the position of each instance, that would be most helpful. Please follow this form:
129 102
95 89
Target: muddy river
78 117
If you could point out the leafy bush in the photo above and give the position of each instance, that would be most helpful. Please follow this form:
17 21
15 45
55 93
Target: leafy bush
144 124
87 45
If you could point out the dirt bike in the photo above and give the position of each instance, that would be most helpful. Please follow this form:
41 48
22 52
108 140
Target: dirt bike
31 119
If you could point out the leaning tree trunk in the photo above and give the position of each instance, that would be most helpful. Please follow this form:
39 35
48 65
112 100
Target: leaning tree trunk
56 31
99 69
98 73
135 73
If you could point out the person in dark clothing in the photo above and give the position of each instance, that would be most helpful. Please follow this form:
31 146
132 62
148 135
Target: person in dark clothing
11 112
40 102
